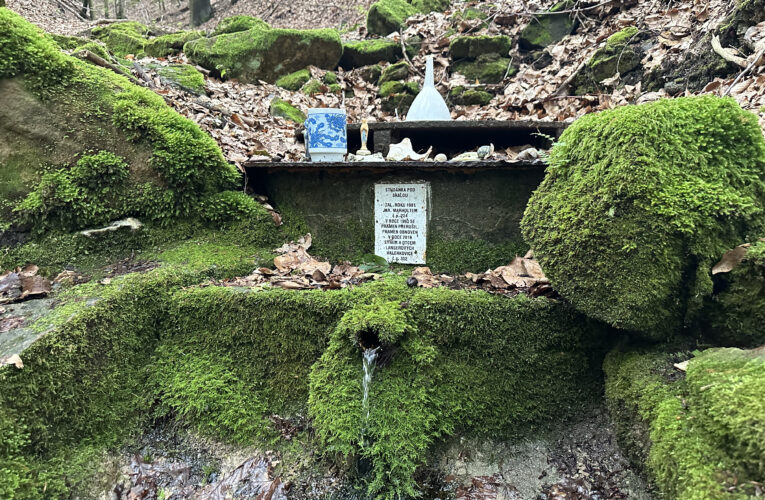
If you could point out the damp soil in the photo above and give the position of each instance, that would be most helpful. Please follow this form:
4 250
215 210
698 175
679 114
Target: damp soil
576 460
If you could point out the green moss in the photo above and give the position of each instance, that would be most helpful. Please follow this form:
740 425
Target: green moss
313 87
615 57
69 42
330 78
471 47
365 52
265 54
471 14
398 71
171 44
371 74
294 81
486 69
389 88
735 313
235 24
386 16
548 29
621 38
184 161
184 76
475 256
433 387
286 110
123 38
689 433
639 202
96 48
468 97
226 207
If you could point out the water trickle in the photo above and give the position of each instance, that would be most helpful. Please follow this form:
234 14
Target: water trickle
368 362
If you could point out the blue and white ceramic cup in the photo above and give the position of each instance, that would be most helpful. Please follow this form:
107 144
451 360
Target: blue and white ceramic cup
326 134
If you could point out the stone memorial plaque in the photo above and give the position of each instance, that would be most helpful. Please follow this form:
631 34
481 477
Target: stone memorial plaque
401 212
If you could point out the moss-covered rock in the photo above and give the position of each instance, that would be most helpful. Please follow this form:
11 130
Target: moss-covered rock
617 56
172 44
398 71
386 16
265 54
697 437
371 74
548 29
398 96
471 47
64 113
313 87
735 314
488 68
365 52
129 37
470 96
69 42
286 110
640 202
96 48
330 78
471 14
294 81
235 24
184 76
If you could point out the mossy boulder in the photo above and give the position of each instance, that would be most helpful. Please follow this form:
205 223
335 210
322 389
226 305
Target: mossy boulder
549 29
398 71
698 436
386 16
69 42
470 96
735 314
283 109
96 48
235 24
471 47
389 88
65 117
185 76
266 54
294 81
172 44
639 202
366 52
619 55
488 68
129 37
371 74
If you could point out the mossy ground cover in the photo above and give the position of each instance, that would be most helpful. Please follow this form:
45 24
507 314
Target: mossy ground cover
185 163
640 202
153 352
698 436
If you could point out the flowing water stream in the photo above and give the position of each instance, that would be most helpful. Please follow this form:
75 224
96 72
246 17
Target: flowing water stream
368 362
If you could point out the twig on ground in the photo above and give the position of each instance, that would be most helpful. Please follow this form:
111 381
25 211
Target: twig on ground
746 71
99 61
406 57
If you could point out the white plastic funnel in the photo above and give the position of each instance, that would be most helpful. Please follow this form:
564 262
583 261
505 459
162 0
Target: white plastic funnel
428 105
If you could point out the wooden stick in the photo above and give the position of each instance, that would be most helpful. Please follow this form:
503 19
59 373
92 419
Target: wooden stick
726 53
746 71
142 73
99 61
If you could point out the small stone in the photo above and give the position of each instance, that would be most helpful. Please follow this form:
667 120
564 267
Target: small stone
440 157
411 282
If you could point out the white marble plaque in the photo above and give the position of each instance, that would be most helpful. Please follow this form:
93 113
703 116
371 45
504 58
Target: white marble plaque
401 215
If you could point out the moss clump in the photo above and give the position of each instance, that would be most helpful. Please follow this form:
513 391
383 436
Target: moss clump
639 202
69 42
123 38
365 52
435 383
698 437
330 78
313 87
286 110
487 68
469 97
616 57
470 255
95 47
184 76
735 313
389 88
294 81
265 54
171 44
386 16
223 208
371 74
181 164
398 71
471 47
235 24
548 29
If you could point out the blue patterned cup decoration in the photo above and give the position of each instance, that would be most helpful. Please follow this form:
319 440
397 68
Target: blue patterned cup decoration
326 134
